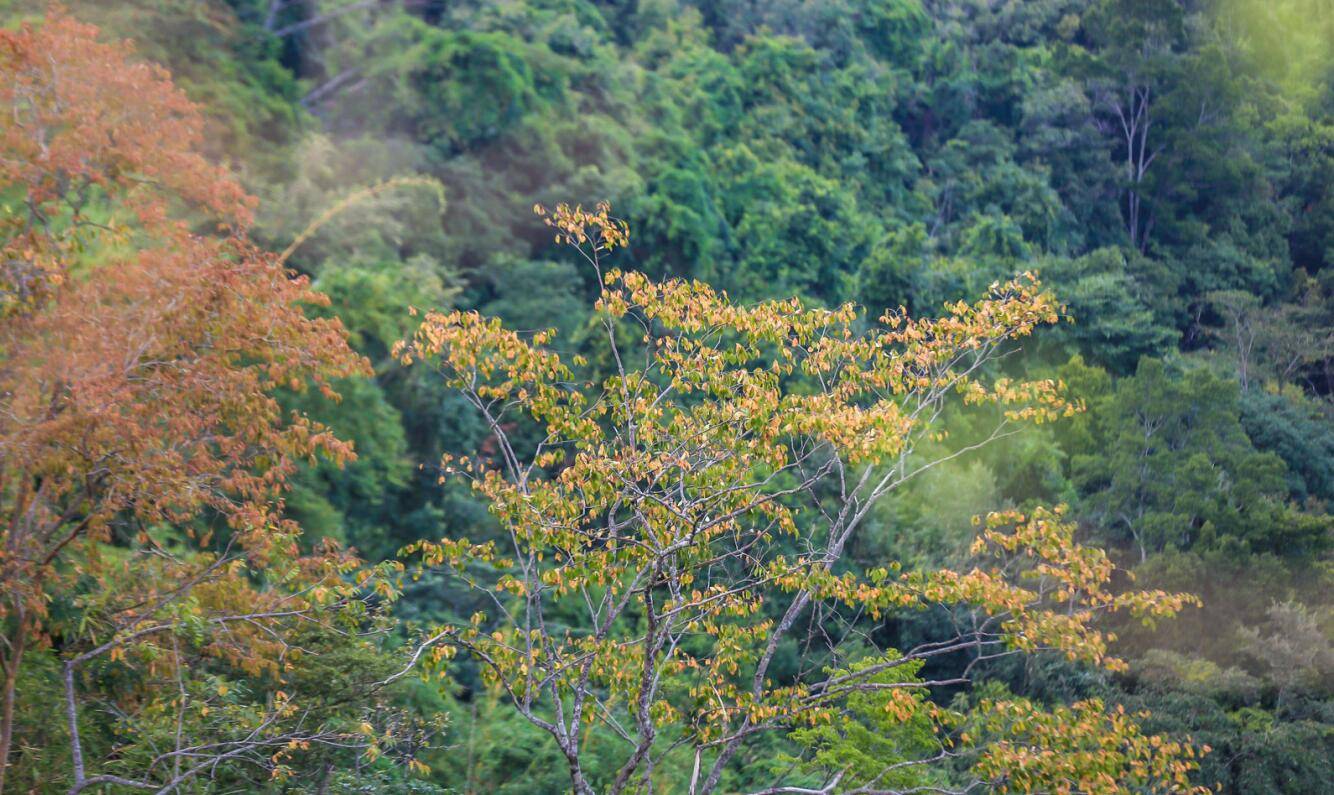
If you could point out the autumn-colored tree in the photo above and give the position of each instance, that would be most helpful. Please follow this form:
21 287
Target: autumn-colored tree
143 449
665 530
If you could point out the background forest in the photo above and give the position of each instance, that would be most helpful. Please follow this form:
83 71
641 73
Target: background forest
1166 166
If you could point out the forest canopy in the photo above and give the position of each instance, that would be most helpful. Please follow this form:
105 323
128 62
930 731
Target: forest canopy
694 396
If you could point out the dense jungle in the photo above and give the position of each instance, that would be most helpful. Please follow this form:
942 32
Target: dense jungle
690 396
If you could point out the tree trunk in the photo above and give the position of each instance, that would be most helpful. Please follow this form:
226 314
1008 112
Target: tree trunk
579 784
11 696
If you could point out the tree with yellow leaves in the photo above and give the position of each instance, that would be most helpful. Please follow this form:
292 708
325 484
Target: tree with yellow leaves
694 506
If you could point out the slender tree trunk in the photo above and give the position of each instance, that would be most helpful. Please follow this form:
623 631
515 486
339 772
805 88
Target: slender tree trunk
11 695
1132 219
472 744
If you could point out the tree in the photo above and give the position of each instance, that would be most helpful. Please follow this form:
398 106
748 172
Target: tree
1114 324
1298 429
234 71
796 232
1169 465
143 446
1136 58
662 531
1288 342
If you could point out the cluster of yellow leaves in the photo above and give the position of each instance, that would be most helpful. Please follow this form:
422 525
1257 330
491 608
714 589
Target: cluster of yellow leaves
1048 590
1071 583
578 227
498 359
455 553
1083 748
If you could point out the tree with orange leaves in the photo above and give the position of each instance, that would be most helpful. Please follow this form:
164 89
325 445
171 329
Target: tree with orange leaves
681 519
143 344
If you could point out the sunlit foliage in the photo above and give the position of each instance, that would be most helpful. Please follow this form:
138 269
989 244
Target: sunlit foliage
667 503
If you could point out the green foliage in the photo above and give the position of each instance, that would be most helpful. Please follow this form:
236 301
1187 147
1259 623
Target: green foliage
1112 325
457 90
1297 429
871 736
891 152
1168 465
1256 749
796 231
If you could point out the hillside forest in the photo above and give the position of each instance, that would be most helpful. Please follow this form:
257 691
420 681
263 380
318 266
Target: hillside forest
680 396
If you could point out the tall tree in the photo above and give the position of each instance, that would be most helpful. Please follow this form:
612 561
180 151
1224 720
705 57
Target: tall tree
1135 60
679 521
140 365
